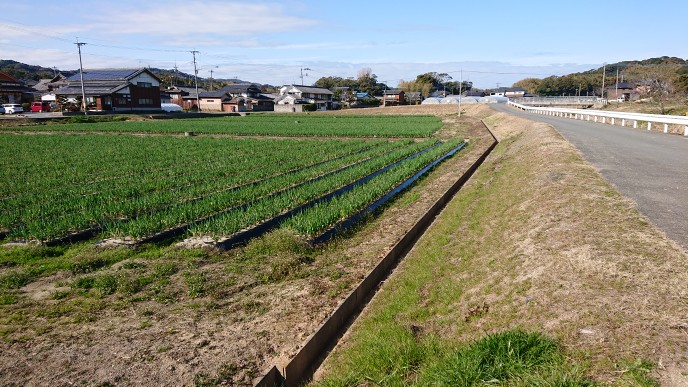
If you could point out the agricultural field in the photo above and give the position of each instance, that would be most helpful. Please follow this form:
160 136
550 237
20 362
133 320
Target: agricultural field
320 125
146 310
135 188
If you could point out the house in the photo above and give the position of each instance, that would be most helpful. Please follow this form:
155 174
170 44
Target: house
509 92
294 95
11 90
439 94
236 98
221 101
393 97
252 96
213 100
414 97
623 90
471 93
184 96
114 89
46 87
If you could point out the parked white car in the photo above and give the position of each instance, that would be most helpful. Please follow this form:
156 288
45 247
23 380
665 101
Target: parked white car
12 108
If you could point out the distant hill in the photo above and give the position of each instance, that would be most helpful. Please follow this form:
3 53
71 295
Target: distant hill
22 71
664 60
590 82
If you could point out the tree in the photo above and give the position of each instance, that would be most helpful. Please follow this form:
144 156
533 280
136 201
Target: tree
657 81
415 86
530 85
367 82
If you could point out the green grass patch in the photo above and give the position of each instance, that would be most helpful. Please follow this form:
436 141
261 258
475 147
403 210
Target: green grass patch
404 356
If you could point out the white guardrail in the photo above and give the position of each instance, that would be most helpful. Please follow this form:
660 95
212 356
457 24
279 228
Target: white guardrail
602 116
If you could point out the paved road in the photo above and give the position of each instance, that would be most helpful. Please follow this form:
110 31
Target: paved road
649 167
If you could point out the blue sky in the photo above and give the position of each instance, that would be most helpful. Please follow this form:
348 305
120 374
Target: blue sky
493 42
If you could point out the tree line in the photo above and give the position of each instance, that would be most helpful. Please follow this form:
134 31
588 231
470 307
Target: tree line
367 82
658 79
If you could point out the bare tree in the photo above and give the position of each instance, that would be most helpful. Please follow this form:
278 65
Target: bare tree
657 81
365 72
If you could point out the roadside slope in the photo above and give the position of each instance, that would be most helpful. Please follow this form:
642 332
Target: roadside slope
537 240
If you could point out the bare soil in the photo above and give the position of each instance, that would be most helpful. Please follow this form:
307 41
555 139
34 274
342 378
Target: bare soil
228 336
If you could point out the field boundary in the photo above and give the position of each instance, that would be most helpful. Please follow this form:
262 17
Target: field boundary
304 364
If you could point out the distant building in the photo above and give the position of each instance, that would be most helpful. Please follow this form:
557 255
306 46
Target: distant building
393 97
414 97
184 96
11 90
301 95
623 90
509 92
114 89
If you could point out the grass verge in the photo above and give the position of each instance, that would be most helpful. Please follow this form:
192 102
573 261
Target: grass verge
536 242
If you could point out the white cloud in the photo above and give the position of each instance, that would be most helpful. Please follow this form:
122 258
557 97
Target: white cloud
174 18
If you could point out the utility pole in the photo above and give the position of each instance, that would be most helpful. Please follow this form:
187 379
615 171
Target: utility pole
175 74
81 76
460 86
198 100
211 76
616 88
604 71
307 69
54 72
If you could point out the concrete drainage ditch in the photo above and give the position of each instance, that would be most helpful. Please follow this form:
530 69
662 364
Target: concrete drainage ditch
304 364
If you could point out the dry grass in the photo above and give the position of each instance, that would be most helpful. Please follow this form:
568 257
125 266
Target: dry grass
540 241
568 254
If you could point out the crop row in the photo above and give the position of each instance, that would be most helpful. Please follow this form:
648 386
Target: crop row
113 196
272 124
321 216
260 211
42 162
280 193
53 216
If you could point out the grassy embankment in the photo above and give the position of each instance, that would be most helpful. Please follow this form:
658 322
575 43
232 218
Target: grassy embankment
537 242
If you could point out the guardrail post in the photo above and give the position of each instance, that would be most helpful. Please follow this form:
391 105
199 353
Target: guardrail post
666 128
613 120
588 117
604 119
685 131
635 124
623 122
595 118
649 125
